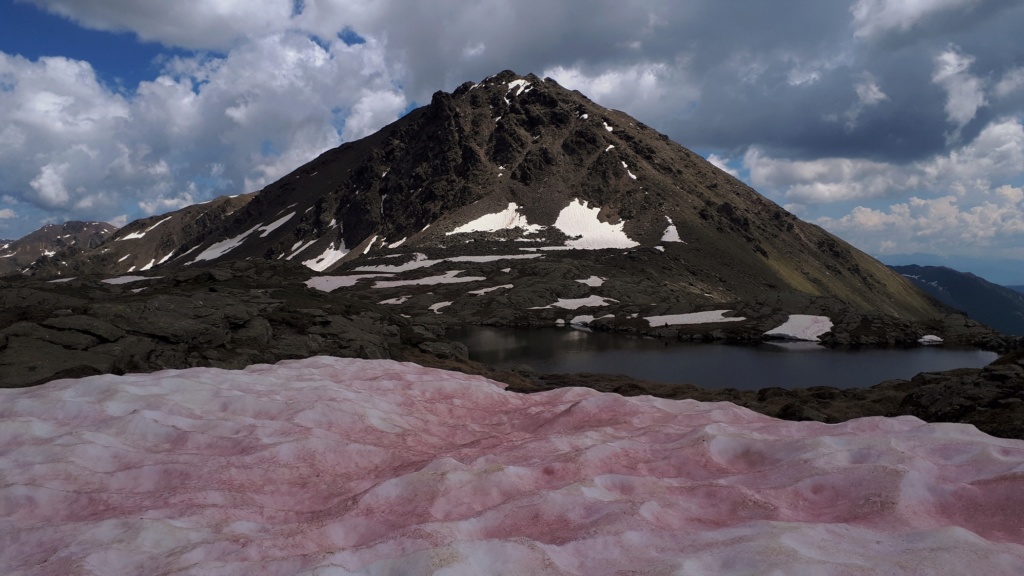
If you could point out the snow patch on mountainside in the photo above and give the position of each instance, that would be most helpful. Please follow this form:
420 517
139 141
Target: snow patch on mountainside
802 327
581 223
218 249
507 219
330 256
574 303
449 277
709 317
332 283
671 233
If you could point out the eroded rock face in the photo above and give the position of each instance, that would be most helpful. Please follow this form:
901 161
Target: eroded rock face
347 466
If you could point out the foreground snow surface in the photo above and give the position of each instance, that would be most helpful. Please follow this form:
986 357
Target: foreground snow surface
336 466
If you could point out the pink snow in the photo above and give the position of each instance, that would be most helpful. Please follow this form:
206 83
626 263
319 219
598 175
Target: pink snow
341 466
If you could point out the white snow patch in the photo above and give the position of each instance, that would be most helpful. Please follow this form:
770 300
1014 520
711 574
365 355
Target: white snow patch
659 248
506 270
709 317
584 116
399 300
671 233
607 127
60 280
328 258
520 84
332 283
127 279
369 245
274 225
148 266
137 235
437 307
593 281
631 175
507 219
221 248
574 303
394 245
929 340
560 322
123 258
802 327
581 320
421 261
299 247
483 291
610 146
449 277
581 223
165 258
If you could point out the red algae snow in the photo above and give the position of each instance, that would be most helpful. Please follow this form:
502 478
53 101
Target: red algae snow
337 466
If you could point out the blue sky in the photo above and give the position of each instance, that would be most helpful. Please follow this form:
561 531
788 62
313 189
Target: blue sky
896 124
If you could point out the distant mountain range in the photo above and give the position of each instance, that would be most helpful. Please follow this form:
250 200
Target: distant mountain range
997 306
48 241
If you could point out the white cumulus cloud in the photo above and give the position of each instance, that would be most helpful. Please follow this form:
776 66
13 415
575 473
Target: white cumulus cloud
964 92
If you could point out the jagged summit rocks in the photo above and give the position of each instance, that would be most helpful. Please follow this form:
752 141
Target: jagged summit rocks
494 202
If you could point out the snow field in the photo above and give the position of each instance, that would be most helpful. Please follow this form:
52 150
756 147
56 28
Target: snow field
802 327
507 219
329 257
128 279
709 317
331 465
581 223
574 303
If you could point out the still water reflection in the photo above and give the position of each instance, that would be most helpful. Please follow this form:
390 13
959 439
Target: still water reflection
788 365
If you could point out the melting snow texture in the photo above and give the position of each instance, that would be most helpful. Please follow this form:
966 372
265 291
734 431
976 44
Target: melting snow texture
344 466
802 327
581 223
507 219
708 317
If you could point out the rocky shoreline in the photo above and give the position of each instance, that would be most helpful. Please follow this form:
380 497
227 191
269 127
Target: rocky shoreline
232 316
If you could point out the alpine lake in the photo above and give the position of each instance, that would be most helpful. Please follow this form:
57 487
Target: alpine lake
711 365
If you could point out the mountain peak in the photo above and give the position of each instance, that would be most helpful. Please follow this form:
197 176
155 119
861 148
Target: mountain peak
518 166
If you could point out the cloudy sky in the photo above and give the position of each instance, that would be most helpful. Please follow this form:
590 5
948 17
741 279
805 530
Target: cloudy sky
896 124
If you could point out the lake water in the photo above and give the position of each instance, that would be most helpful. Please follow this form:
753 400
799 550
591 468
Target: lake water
787 365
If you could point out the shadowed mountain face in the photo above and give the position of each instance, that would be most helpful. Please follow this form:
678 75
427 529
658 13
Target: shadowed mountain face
997 306
50 240
519 166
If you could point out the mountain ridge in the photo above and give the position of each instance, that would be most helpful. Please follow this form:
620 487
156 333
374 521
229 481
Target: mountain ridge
997 306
